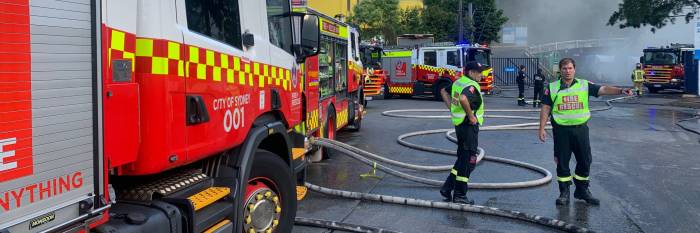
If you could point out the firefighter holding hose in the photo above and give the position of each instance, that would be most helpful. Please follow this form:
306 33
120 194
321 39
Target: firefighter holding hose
465 102
566 101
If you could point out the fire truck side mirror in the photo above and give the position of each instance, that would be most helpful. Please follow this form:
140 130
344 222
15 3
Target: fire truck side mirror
310 37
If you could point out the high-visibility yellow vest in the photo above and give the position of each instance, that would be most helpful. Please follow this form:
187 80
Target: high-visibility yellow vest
571 104
458 113
638 75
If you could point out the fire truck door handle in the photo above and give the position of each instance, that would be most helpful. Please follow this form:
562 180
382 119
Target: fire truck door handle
196 110
109 94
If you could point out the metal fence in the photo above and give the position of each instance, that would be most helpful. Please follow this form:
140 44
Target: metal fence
505 70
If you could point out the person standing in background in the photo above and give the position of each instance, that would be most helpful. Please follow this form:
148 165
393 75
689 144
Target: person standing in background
521 86
539 88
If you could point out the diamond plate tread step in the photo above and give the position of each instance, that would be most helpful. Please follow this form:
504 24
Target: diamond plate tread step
162 187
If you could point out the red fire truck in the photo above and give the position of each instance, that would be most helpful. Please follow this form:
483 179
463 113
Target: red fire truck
333 92
664 67
425 70
152 116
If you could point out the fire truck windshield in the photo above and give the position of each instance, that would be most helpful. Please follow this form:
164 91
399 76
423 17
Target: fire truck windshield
660 58
482 56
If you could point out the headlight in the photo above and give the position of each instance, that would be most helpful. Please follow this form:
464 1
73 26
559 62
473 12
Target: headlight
674 80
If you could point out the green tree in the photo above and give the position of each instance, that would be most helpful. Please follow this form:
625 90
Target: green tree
377 17
440 17
410 21
488 21
654 13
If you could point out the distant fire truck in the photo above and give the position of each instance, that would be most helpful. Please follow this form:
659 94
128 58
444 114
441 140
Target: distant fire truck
374 76
423 71
664 67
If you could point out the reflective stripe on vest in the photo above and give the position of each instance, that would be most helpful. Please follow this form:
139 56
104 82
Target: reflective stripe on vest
570 105
456 110
639 75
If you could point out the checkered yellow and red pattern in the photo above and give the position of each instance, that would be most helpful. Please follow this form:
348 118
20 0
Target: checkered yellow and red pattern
163 57
400 89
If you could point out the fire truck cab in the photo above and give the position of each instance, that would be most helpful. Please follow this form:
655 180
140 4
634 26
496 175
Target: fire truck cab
151 115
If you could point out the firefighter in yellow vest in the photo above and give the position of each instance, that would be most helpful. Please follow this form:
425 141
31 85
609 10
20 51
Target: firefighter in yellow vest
638 79
566 102
465 102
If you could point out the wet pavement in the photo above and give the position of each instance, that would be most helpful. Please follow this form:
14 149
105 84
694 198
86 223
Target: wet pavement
646 171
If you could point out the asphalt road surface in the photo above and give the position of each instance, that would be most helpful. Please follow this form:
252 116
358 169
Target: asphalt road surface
646 172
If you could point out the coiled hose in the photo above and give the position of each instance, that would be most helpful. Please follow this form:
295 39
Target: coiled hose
362 155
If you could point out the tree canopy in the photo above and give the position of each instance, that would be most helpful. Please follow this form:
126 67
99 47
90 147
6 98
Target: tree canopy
438 17
654 13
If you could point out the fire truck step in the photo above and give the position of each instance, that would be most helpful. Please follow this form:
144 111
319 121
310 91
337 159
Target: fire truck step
209 216
223 226
208 197
165 186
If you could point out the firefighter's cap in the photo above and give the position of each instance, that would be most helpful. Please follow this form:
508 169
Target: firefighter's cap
475 66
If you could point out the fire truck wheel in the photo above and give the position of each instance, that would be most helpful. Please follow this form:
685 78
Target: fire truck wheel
440 86
355 124
387 95
329 134
270 200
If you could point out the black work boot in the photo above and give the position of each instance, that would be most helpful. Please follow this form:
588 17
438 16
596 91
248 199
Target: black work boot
563 193
462 199
582 193
447 187
446 195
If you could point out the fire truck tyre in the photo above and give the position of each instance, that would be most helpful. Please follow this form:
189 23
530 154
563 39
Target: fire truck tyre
270 201
355 123
436 92
329 133
387 95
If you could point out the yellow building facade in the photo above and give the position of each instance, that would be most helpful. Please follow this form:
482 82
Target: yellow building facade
344 7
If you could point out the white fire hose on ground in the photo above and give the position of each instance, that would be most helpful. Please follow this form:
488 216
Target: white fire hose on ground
371 160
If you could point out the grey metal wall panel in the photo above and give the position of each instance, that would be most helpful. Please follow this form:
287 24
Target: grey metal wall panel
62 106
40 58
56 66
60 14
64 92
49 175
52 49
62 136
61 75
61 84
57 128
77 6
78 149
63 23
58 31
43 103
44 121
61 110
61 40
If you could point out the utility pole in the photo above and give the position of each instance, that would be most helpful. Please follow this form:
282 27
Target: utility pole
460 18
461 21
471 22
